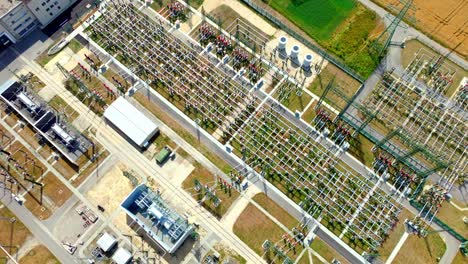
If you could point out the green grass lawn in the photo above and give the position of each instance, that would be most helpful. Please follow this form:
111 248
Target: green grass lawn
275 210
253 228
345 83
39 254
205 177
61 106
421 250
295 102
318 18
352 44
44 58
158 4
163 140
21 232
253 219
227 255
327 252
361 149
453 217
460 259
75 46
386 249
310 113
195 3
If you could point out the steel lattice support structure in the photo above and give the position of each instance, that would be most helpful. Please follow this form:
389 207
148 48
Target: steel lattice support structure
360 118
382 43
12 172
440 129
277 149
175 68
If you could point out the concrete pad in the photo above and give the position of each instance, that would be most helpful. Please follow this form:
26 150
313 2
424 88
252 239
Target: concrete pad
47 93
111 189
177 170
81 123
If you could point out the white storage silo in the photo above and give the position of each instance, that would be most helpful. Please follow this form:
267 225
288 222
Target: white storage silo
282 43
294 52
307 62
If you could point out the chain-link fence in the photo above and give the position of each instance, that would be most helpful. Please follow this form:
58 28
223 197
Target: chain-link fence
440 223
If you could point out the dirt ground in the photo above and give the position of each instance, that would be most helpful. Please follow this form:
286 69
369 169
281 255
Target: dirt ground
39 254
55 189
444 21
20 231
111 189
253 219
418 250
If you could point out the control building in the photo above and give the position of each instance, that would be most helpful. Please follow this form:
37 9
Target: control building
156 219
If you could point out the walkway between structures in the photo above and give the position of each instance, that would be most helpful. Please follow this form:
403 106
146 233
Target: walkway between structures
236 209
458 207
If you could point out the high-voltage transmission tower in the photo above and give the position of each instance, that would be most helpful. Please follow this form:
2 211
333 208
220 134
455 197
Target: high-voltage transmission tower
441 59
381 44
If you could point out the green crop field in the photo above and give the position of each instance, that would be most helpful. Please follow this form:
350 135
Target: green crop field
343 27
318 18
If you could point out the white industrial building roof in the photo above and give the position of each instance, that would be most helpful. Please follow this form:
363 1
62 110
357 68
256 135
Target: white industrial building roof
129 120
122 256
106 242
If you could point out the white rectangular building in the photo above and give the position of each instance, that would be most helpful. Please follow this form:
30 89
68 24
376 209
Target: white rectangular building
106 242
131 122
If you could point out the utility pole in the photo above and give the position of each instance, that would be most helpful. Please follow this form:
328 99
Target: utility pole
325 92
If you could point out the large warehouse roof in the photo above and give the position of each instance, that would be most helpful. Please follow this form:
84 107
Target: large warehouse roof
134 124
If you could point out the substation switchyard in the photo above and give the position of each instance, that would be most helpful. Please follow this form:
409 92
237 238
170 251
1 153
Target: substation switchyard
428 123
177 128
215 84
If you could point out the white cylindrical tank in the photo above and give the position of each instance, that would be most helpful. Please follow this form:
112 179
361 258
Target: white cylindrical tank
282 43
307 61
294 52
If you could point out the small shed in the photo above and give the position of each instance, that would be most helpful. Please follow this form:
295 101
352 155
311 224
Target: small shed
163 155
